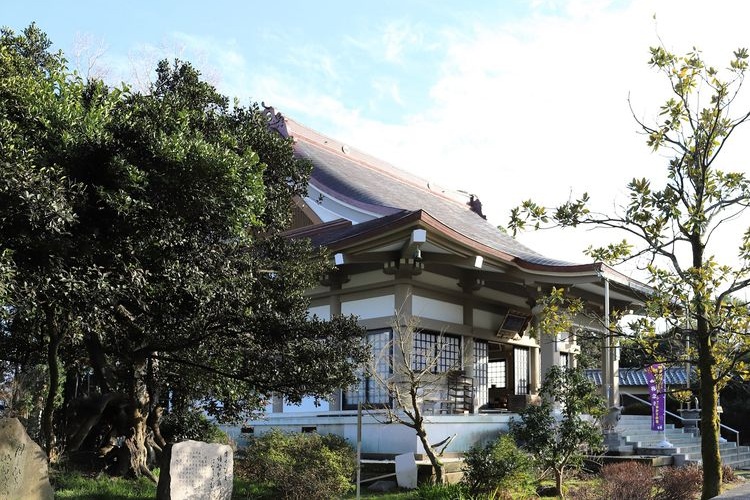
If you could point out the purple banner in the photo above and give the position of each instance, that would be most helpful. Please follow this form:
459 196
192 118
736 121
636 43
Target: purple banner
655 379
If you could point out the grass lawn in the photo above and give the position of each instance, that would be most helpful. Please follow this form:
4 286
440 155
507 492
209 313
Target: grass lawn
79 487
74 485
383 496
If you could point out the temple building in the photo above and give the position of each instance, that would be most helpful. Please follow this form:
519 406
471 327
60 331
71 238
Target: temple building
401 243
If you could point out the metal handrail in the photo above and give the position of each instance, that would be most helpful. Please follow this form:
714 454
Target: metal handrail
682 419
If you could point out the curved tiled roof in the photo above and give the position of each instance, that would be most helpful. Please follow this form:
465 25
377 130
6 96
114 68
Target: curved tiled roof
673 375
370 184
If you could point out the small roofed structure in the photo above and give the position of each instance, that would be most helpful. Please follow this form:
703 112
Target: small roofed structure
633 380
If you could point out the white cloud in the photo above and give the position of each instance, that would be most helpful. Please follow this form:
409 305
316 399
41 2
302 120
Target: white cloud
530 108
386 88
399 36
540 108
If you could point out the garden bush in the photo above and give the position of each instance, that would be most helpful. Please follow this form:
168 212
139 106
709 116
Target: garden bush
442 492
460 491
498 465
727 474
678 483
627 481
191 424
296 466
586 492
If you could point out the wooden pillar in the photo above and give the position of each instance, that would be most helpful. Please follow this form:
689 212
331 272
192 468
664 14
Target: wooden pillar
336 400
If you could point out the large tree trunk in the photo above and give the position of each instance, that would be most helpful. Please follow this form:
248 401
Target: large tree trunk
154 423
437 465
86 419
48 430
559 482
709 420
708 395
137 434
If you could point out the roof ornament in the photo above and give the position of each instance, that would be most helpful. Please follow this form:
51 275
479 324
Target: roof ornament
275 120
476 206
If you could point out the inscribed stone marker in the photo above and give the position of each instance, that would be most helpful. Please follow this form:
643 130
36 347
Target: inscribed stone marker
196 470
23 464
406 471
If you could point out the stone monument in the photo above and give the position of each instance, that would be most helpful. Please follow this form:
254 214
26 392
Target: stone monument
23 464
193 470
406 471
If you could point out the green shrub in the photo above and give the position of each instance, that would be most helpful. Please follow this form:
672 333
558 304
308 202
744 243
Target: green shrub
191 424
442 492
627 481
460 491
497 465
296 466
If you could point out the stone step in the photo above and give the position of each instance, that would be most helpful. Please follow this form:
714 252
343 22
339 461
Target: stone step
694 449
732 459
675 440
651 436
740 463
636 429
644 428
652 443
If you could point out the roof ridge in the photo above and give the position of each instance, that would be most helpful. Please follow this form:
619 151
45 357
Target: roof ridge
322 226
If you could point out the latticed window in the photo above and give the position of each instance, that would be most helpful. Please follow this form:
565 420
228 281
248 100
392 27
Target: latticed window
368 390
441 353
521 369
498 374
564 360
481 359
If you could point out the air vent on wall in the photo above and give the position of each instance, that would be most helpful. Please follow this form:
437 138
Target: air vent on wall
513 325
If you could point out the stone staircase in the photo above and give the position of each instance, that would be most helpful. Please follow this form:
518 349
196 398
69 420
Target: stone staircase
635 431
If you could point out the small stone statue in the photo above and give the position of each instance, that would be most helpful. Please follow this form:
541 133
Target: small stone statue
609 422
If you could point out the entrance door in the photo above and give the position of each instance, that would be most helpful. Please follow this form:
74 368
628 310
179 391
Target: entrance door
521 369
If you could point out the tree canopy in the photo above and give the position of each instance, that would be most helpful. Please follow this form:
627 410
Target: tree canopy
560 442
141 246
679 228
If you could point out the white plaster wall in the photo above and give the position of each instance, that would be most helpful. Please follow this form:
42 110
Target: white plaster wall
391 439
307 405
505 298
438 280
369 278
437 310
375 307
322 312
486 319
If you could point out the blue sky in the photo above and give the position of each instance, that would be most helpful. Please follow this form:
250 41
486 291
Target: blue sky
504 99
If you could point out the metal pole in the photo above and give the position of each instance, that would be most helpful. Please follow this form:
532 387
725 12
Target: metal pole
607 370
687 367
359 447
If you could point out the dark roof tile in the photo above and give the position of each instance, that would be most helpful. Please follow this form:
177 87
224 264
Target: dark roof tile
673 375
385 190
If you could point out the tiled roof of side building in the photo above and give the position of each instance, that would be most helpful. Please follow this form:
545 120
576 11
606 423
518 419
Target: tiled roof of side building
673 375
373 185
